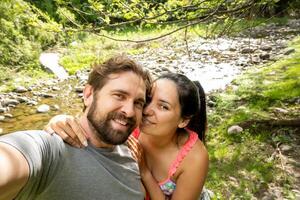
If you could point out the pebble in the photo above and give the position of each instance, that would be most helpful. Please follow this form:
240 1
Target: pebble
2 118
31 103
7 102
79 89
289 51
46 95
43 108
8 115
22 99
234 129
54 88
286 148
20 89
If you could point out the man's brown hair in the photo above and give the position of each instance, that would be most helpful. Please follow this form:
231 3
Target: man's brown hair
117 64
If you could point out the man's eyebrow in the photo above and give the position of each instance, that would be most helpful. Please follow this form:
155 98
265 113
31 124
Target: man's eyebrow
143 99
121 91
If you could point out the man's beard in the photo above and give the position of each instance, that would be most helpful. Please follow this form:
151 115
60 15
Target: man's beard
104 130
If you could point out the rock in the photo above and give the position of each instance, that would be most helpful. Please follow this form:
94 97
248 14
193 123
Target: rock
2 110
264 56
255 60
268 197
2 118
160 61
281 110
55 107
8 115
1 131
79 89
20 89
211 103
54 88
266 48
289 51
43 108
286 148
7 102
22 99
46 95
247 50
31 103
157 70
234 129
165 69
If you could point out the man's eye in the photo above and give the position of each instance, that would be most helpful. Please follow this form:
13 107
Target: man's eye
118 96
140 105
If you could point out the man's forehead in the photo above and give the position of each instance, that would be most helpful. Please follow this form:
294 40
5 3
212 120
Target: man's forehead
126 81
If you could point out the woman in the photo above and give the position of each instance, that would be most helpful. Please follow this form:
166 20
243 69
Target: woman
173 161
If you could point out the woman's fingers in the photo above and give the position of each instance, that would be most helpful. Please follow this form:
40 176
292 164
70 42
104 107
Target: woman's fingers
49 130
65 128
68 129
79 132
135 147
67 138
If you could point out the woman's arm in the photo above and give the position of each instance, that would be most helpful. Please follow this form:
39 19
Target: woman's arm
150 184
68 128
194 169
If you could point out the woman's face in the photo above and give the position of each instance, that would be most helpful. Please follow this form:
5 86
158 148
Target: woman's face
162 115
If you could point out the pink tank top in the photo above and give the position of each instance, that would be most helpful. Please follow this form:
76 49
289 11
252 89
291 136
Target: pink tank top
168 186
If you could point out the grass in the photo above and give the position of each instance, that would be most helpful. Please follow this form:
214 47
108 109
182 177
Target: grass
241 165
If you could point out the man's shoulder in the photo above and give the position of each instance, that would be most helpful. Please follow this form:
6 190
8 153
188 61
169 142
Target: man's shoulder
34 139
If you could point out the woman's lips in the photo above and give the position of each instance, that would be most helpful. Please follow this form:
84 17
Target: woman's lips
146 121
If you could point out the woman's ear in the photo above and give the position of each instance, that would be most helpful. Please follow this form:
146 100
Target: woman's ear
184 122
88 95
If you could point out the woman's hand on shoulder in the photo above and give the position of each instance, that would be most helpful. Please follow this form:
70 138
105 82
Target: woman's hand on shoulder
68 128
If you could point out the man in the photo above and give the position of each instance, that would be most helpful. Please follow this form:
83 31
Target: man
36 165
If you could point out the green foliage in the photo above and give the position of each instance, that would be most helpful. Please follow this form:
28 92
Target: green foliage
242 165
25 32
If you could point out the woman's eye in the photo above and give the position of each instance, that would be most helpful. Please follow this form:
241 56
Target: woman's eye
163 107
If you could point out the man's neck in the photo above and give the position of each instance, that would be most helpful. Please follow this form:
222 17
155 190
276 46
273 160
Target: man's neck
90 134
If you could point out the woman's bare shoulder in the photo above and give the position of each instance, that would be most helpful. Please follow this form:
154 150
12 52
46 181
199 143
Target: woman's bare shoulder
198 155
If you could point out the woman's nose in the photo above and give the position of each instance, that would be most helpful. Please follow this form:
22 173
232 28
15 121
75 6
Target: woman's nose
148 110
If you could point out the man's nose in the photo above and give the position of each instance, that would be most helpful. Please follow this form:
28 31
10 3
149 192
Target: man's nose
128 109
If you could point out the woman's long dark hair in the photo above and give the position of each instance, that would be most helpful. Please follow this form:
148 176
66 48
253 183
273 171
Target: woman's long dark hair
192 101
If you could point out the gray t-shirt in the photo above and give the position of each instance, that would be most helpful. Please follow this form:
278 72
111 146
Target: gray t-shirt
59 171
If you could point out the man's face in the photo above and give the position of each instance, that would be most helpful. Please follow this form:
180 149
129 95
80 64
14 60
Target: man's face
116 109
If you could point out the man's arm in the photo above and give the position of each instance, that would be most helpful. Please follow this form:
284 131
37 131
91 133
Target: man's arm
14 171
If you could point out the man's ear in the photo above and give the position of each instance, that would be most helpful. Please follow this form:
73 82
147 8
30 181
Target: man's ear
184 122
88 95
